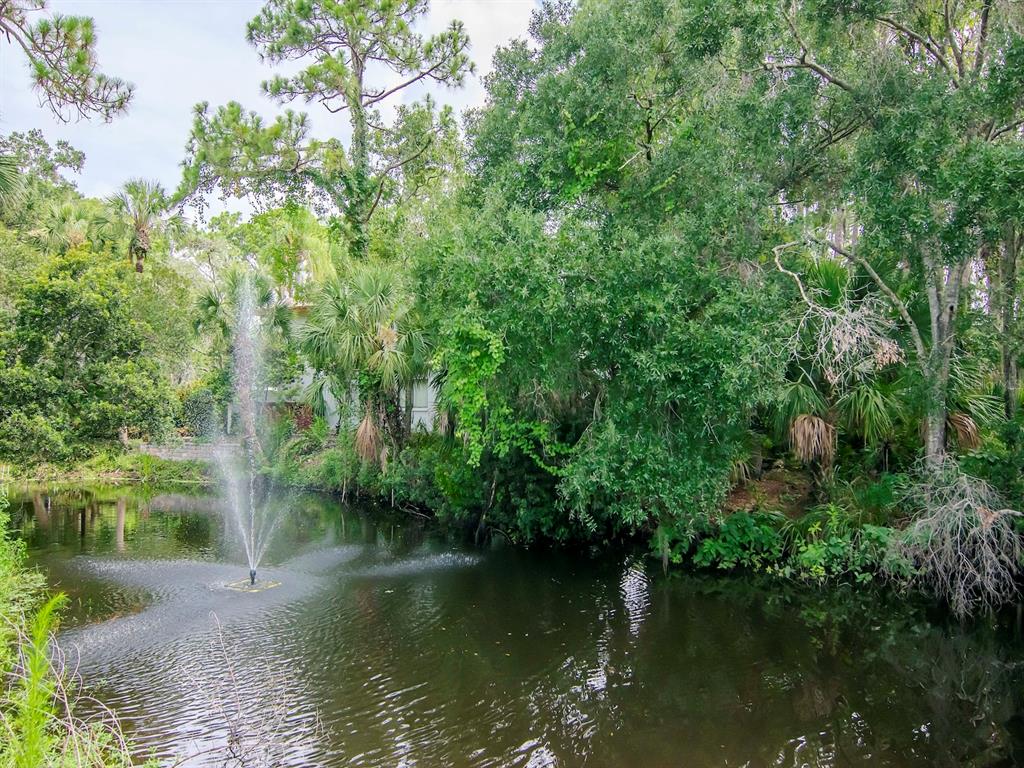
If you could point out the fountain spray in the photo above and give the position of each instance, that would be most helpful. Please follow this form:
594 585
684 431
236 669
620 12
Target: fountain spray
248 499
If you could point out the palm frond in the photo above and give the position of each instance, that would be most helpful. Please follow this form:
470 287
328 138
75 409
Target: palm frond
10 179
813 439
870 410
796 398
965 429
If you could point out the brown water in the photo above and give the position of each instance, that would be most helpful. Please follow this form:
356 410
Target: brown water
383 644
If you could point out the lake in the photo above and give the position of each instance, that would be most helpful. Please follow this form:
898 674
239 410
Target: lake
374 639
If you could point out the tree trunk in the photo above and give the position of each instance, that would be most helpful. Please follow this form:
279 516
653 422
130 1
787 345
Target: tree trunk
138 256
943 288
357 207
408 406
935 427
1009 343
394 418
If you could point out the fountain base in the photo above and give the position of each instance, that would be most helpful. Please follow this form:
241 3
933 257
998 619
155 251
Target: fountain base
245 585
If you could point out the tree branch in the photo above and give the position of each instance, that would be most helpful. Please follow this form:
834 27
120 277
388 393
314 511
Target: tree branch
951 36
979 54
777 251
395 167
381 95
926 44
890 294
1006 129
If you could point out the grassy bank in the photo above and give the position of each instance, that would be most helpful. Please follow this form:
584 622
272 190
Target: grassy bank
115 466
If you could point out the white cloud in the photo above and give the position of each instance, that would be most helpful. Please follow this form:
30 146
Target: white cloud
179 52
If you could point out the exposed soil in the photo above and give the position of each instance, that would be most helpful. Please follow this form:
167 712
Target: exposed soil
778 490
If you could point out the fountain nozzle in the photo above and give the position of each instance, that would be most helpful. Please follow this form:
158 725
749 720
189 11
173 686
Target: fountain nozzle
252 576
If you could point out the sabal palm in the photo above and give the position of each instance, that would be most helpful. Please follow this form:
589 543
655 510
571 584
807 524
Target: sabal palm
217 307
66 225
140 207
10 178
362 326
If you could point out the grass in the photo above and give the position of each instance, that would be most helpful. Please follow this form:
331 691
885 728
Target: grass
114 467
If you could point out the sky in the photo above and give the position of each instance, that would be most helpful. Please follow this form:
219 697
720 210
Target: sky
180 52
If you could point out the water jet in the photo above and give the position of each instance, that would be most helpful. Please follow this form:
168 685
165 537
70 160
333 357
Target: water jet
249 494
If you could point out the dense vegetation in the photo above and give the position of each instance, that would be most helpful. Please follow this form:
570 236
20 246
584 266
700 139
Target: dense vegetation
737 280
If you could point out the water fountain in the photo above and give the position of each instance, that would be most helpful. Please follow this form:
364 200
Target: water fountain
248 493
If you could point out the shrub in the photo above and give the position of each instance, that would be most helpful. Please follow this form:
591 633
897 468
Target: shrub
743 539
32 438
197 411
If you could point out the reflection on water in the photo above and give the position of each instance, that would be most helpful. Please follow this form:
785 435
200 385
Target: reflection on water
384 645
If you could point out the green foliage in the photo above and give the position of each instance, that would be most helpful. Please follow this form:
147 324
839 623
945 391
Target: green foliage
742 540
826 544
335 42
38 703
1000 462
75 368
594 356
61 52
140 210
197 411
143 468
19 587
32 703
470 355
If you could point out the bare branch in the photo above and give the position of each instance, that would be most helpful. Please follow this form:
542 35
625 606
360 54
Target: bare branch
962 543
897 303
851 337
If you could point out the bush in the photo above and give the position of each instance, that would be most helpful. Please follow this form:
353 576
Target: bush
828 543
1000 462
37 706
197 411
75 368
744 539
32 438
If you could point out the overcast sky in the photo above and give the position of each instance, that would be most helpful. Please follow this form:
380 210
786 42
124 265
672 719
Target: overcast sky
180 52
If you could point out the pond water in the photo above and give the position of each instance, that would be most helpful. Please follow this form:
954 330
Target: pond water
383 644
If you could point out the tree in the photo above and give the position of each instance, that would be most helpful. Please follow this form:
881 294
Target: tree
290 245
140 207
40 175
905 118
67 223
362 328
76 369
243 301
9 178
61 53
340 43
41 161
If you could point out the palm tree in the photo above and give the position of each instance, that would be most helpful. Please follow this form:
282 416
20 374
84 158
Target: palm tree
216 310
140 207
66 225
10 178
362 334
